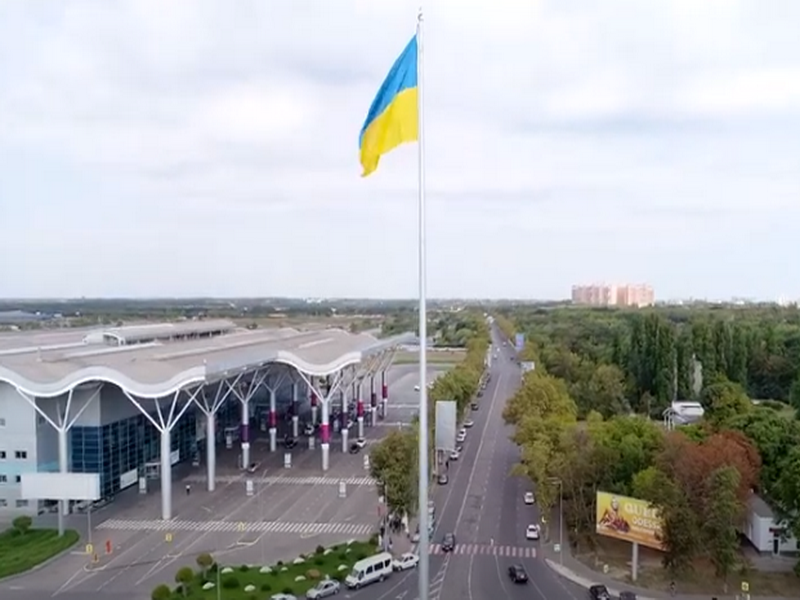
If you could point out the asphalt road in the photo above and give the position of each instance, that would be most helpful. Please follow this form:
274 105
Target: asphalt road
483 506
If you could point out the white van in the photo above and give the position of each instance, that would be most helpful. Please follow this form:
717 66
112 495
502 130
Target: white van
369 570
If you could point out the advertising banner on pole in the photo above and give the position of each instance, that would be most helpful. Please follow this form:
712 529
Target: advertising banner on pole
445 429
519 342
628 519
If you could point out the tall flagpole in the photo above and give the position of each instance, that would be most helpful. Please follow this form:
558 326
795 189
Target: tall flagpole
424 538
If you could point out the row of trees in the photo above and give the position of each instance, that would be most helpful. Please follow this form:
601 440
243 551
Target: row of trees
445 328
394 461
574 424
667 354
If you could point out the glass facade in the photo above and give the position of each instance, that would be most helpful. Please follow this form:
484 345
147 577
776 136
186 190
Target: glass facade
119 447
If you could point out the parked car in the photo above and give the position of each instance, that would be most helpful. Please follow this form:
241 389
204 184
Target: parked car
361 443
517 574
626 595
406 561
355 448
469 423
442 479
599 592
325 588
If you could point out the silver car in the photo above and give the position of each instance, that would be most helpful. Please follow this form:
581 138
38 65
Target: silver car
325 588
282 597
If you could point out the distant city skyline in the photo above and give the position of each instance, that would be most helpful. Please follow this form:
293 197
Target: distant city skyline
613 294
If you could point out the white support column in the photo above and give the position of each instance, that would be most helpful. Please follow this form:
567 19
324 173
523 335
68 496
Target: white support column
273 421
166 474
345 436
245 433
373 401
295 410
314 400
255 383
63 462
360 408
211 450
325 434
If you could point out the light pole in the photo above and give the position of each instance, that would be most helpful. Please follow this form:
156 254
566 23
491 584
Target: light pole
560 484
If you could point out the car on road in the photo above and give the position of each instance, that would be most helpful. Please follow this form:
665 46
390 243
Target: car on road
462 436
289 442
469 423
460 449
360 442
532 532
454 455
599 592
416 388
529 498
355 448
449 542
442 479
282 597
627 595
406 561
517 574
474 406
325 588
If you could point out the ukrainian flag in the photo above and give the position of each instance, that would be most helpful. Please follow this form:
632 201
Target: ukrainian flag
393 118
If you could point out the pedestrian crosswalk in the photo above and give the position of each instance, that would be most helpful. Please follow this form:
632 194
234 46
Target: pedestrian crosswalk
354 529
488 549
278 480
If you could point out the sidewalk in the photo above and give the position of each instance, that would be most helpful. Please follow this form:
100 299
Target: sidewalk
583 576
578 573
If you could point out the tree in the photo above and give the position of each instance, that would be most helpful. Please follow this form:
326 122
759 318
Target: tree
184 577
607 390
22 524
723 513
204 561
393 464
723 402
680 530
161 592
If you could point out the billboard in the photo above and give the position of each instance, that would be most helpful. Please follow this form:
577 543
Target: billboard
628 519
519 342
60 486
527 367
445 428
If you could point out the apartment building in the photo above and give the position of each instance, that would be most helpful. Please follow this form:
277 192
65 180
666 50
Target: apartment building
637 295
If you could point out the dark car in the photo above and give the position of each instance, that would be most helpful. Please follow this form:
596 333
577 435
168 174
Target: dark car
517 574
289 442
474 406
449 542
355 448
599 592
627 595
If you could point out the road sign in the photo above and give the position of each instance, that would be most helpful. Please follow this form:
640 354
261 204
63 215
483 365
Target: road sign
109 547
249 487
745 587
240 527
557 548
366 462
95 558
89 549
287 460
342 489
168 538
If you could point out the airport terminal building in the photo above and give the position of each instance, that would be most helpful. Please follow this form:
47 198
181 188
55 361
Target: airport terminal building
129 403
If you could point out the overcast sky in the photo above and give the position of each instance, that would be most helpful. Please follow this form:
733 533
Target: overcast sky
178 148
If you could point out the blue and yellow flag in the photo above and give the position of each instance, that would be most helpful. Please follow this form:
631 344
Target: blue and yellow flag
393 118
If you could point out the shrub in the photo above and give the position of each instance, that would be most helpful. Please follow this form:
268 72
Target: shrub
22 524
244 568
313 574
339 576
204 561
342 556
320 550
279 563
230 582
373 541
319 561
361 556
161 592
265 587
287 590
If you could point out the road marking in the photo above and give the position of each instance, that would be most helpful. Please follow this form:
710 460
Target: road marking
487 550
236 526
273 480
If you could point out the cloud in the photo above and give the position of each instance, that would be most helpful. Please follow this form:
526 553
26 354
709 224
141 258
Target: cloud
209 147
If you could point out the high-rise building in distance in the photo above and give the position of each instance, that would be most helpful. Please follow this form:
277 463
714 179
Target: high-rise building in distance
613 295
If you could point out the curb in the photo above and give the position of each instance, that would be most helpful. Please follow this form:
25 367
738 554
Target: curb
568 574
41 565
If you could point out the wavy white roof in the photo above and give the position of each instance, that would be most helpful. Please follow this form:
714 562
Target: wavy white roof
50 363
